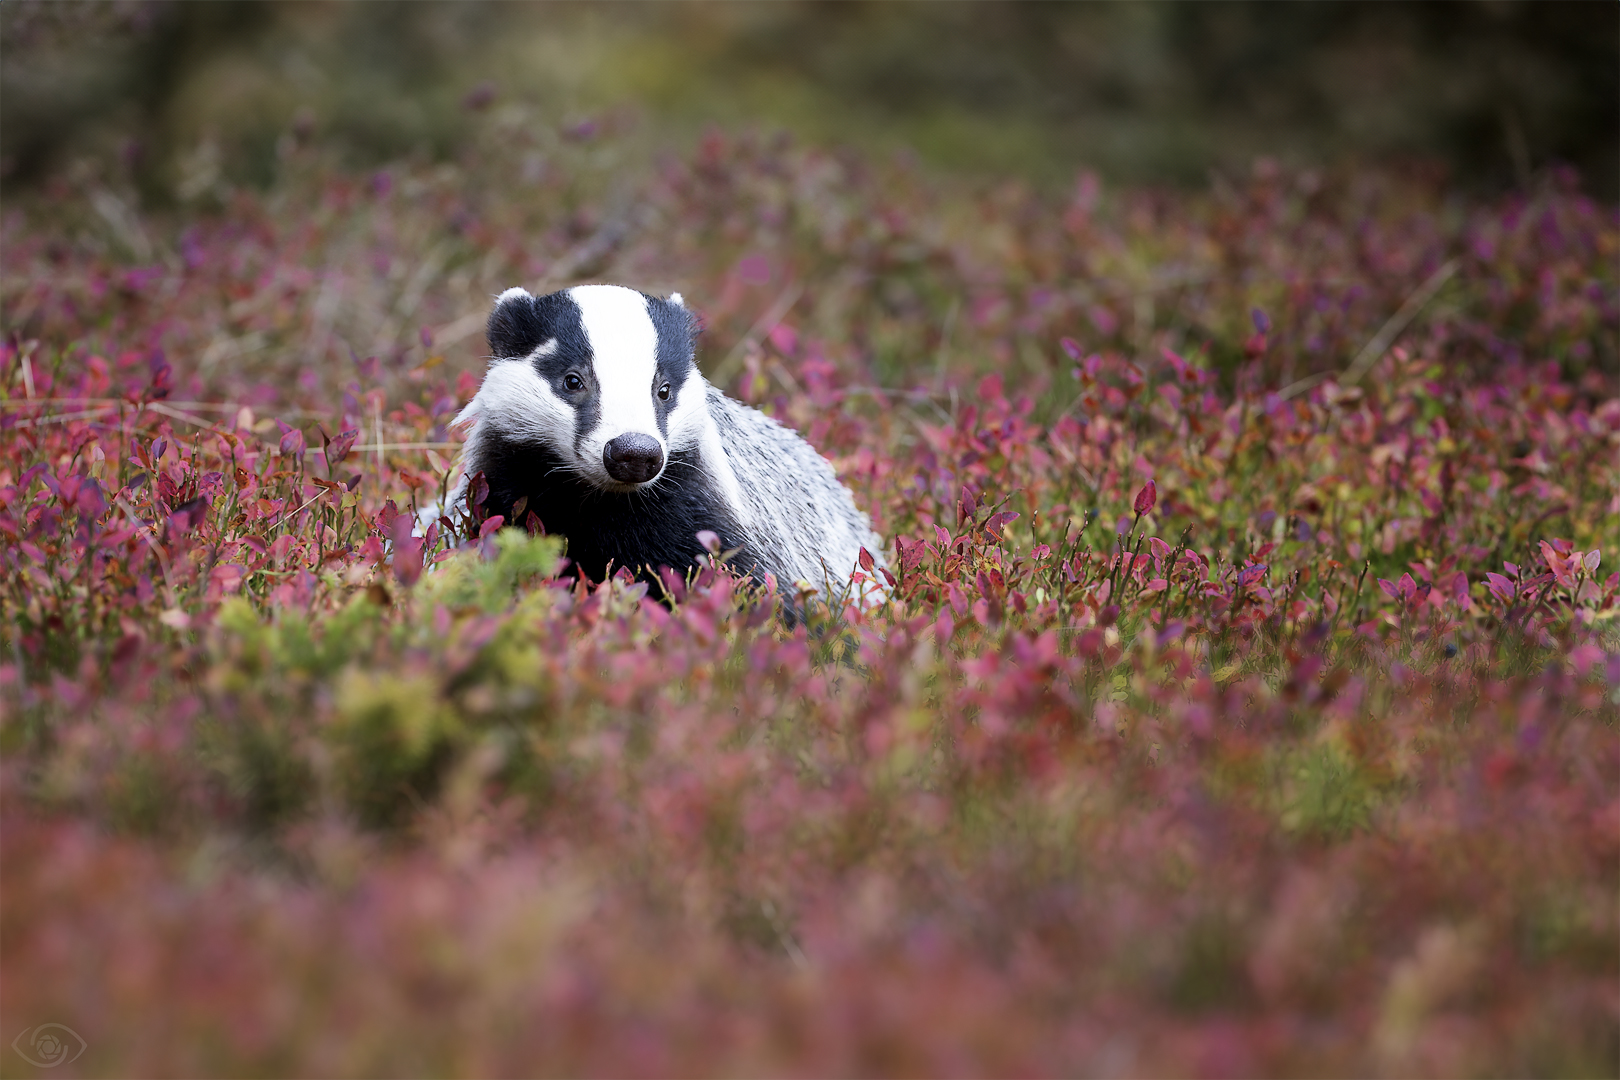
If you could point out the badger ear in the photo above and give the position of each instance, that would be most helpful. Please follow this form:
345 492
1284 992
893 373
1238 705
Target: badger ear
514 326
676 299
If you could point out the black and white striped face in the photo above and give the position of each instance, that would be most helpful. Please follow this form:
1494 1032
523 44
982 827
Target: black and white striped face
599 374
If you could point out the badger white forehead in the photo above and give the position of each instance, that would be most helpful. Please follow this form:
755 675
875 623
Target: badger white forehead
624 341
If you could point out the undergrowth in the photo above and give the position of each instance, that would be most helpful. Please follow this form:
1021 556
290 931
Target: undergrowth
1231 703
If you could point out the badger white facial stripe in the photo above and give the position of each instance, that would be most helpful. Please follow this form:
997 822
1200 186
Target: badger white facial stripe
522 404
689 419
624 345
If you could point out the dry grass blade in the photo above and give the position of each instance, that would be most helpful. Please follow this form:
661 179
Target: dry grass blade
1398 322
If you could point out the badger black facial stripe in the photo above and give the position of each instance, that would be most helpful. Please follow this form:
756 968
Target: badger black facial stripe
675 329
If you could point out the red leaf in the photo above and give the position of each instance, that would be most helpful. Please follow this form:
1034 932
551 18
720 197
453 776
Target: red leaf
1146 498
1251 574
477 496
1000 521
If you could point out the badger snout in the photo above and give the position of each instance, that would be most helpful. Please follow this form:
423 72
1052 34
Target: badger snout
633 458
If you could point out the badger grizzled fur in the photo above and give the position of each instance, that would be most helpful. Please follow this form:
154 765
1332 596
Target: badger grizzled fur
593 410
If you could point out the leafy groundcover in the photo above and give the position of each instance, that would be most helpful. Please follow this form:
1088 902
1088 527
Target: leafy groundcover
1243 699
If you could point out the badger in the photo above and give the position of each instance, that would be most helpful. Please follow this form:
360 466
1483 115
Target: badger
593 412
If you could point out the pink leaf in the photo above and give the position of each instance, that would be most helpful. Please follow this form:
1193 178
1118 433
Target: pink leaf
1407 586
1500 587
226 578
337 449
292 440
1584 656
407 551
784 338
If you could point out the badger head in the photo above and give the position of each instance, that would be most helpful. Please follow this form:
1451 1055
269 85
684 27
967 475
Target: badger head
599 375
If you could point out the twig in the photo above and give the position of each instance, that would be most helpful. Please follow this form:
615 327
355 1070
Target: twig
453 332
1380 342
763 325
62 418
177 414
149 534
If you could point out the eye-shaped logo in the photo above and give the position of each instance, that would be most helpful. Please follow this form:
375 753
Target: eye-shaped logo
49 1045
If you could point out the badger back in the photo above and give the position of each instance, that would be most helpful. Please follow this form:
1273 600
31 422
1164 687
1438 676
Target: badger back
593 414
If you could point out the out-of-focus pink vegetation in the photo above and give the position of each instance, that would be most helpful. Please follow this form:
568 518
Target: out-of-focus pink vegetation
1319 776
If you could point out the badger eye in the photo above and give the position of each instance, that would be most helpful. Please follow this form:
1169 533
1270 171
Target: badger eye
663 392
573 382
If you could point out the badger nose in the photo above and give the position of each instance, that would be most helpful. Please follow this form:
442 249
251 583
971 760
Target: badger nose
633 458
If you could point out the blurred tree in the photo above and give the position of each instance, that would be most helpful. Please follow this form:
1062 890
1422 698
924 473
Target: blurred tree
1494 89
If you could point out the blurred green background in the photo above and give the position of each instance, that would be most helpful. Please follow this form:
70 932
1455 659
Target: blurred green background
185 95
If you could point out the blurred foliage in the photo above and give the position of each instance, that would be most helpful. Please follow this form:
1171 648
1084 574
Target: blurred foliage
1244 700
1141 91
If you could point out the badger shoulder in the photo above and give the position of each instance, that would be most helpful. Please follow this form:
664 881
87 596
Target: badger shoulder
792 503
